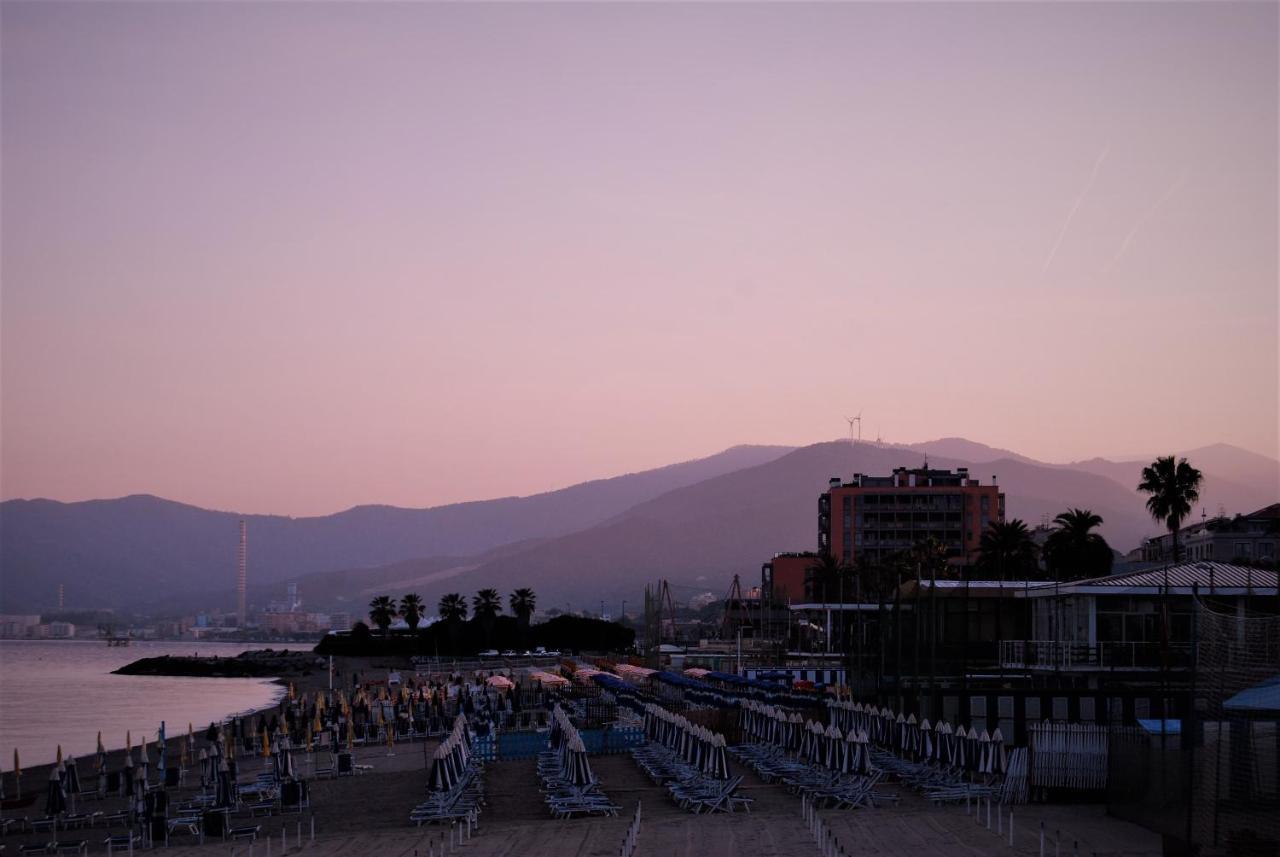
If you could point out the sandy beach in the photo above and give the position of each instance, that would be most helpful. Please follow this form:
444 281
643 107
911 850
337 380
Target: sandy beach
367 814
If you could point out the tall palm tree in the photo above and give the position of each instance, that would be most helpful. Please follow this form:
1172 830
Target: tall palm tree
1173 487
411 609
1073 551
452 608
486 603
523 602
1008 551
382 612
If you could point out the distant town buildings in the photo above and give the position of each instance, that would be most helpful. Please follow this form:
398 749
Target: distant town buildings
17 626
1243 538
874 516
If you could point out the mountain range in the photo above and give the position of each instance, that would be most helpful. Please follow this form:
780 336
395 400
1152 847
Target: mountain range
695 523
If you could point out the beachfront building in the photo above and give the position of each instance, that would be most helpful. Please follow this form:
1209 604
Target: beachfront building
1251 538
1136 622
782 579
871 517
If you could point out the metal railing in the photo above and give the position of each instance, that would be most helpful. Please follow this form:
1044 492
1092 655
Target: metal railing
1051 654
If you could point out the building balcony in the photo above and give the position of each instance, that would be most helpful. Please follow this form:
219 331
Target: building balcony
1049 655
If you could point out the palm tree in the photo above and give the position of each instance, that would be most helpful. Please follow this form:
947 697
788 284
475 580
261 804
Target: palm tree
824 577
382 612
411 609
487 604
1008 551
523 602
1073 551
452 608
1173 488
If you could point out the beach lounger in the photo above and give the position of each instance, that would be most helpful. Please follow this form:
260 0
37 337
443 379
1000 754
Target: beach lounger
184 824
35 848
81 847
266 807
123 842
250 833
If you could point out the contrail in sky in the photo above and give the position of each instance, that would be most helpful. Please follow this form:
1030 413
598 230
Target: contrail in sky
1066 224
1143 218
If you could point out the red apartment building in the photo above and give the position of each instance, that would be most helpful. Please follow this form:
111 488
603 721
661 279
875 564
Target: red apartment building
873 516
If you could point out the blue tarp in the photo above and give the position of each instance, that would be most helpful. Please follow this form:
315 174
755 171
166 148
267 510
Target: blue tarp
1162 727
1263 698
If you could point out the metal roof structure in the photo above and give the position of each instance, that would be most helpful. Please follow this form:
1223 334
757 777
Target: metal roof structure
1213 578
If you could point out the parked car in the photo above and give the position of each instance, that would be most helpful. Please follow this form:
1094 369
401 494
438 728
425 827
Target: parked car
489 653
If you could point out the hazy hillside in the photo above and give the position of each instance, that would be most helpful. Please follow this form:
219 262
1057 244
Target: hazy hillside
700 535
695 523
117 552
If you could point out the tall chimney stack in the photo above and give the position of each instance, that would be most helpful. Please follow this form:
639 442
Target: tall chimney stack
242 574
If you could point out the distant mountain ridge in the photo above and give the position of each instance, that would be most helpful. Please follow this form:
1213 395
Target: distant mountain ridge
695 523
118 552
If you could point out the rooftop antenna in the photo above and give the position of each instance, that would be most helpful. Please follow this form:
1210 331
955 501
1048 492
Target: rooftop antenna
851 421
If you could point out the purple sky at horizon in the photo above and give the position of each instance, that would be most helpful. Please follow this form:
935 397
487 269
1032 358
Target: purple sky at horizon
290 258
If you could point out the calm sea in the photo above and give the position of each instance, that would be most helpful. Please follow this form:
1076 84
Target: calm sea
63 692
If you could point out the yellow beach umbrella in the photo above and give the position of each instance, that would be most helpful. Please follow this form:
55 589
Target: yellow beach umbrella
293 694
266 744
128 741
59 762
316 725
391 738
351 735
284 726
308 737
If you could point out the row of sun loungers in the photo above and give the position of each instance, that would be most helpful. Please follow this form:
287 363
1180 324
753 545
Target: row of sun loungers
824 786
569 786
462 801
939 784
691 789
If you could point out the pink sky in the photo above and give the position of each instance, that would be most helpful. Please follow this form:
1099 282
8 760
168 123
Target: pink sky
292 257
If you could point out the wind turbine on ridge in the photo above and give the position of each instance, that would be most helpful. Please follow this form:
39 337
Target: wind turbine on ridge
851 421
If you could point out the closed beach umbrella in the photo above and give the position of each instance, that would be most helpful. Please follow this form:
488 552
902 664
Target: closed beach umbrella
71 782
999 757
204 768
56 799
960 746
17 773
985 765
719 765
126 777
835 747
224 796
